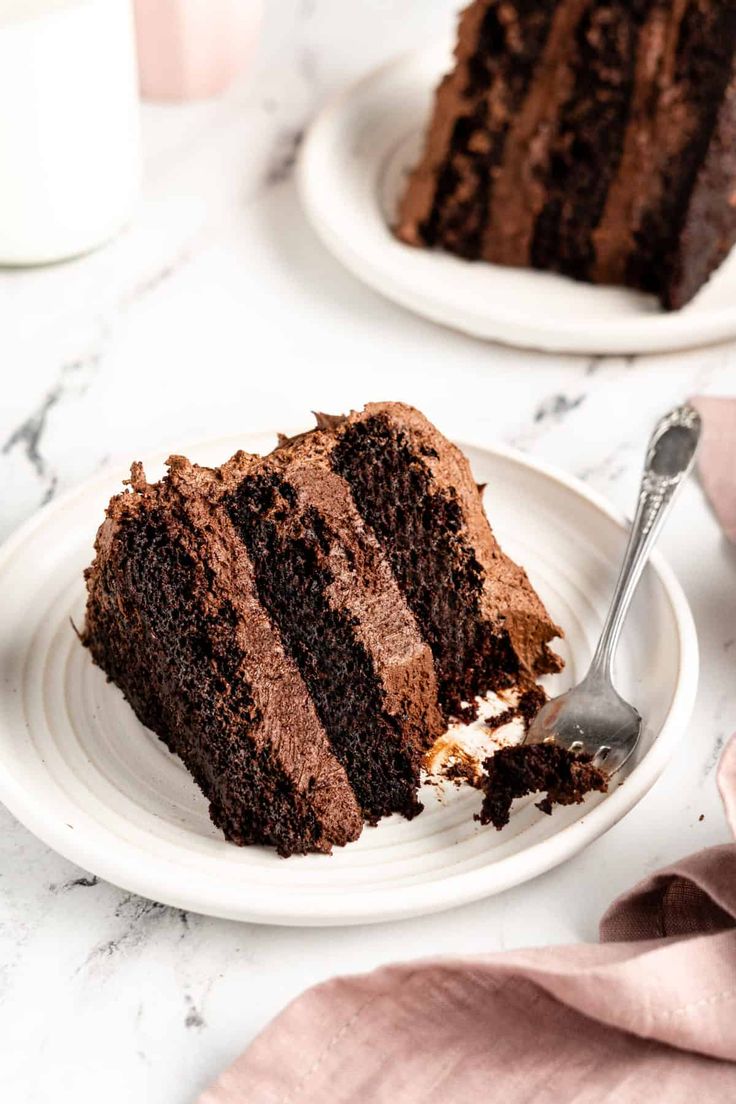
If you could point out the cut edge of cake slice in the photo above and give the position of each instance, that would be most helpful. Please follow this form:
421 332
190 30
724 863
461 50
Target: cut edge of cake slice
173 618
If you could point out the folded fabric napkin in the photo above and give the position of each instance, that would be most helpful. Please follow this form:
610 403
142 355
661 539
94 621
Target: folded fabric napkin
649 1013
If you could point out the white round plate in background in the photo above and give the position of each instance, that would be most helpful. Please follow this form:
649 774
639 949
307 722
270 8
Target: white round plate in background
352 167
80 771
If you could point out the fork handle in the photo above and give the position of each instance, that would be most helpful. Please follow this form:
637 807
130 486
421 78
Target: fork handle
669 460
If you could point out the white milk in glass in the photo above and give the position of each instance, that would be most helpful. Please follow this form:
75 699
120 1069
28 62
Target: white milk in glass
69 134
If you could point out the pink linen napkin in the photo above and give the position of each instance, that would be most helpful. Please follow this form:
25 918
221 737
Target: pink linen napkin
647 1014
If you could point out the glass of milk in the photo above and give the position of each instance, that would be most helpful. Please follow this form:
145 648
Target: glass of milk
69 128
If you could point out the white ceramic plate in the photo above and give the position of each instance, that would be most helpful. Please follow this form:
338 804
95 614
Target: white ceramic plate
352 167
80 771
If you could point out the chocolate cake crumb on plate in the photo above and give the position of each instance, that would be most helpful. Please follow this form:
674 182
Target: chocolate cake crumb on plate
530 701
499 720
564 777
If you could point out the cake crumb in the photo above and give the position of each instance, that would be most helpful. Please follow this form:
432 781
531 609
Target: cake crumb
563 776
500 719
530 701
462 768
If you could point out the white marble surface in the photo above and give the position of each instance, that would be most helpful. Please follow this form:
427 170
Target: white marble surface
219 311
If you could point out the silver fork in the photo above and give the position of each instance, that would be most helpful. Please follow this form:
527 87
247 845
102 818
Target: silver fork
593 717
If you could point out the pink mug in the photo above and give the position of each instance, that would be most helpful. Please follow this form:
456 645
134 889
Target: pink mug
191 49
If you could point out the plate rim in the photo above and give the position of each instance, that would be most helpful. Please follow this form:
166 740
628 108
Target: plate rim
660 332
305 907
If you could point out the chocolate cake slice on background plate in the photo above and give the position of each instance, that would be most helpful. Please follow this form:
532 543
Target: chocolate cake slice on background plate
301 627
594 138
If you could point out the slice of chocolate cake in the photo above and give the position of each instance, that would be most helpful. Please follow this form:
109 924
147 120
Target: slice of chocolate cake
300 627
596 138
565 777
